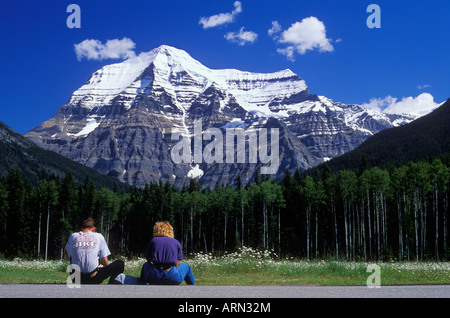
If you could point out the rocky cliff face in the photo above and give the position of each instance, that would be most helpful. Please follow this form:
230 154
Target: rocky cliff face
122 121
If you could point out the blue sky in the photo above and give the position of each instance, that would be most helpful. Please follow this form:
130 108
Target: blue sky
327 43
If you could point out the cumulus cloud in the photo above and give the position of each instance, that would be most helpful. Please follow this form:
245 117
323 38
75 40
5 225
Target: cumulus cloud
221 18
242 37
379 104
112 49
417 106
307 35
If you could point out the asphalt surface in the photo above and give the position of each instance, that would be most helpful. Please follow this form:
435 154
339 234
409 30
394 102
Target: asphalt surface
225 292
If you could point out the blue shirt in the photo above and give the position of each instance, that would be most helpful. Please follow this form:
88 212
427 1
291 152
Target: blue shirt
164 251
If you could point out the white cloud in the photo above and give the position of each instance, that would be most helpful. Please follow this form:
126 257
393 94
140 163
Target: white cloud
112 49
306 35
379 104
417 106
275 30
309 34
242 37
420 87
288 52
221 18
237 8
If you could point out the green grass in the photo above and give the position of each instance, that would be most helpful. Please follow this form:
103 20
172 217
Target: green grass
20 271
250 267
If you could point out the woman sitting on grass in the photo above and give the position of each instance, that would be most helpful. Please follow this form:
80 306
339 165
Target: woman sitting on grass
163 255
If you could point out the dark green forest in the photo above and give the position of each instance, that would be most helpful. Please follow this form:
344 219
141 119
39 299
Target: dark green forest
372 214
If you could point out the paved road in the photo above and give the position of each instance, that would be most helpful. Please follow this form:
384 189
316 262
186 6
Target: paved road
228 292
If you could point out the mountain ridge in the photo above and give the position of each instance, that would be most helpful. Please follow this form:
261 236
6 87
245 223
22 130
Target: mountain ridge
427 136
20 153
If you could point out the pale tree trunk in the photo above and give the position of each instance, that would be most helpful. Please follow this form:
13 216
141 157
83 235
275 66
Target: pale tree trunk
346 228
39 232
264 224
424 228
46 235
363 229
416 226
317 231
436 205
385 229
377 224
279 232
369 219
212 240
192 229
225 233
199 229
445 224
308 229
400 228
204 240
353 230
62 247
333 208
242 222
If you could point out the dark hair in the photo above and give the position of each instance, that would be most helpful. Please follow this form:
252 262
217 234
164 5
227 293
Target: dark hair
89 223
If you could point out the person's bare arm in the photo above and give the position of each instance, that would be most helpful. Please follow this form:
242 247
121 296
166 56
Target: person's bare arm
104 261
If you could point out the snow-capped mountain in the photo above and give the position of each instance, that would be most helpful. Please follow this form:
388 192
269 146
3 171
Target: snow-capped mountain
176 73
121 121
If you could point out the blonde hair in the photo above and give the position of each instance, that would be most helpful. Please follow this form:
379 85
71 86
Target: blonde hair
162 229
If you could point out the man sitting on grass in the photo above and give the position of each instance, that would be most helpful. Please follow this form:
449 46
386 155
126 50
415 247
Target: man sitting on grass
85 248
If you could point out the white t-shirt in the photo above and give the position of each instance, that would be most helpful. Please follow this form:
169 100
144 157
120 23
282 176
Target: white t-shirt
84 249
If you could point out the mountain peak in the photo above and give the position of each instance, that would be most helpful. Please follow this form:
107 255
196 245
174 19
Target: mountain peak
169 50
176 72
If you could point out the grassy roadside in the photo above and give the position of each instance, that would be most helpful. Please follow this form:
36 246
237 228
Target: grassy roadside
249 267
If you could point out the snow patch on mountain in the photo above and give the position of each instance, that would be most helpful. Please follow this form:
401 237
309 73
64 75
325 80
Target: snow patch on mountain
195 172
91 125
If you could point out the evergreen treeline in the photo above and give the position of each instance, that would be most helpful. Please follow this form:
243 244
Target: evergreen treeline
374 214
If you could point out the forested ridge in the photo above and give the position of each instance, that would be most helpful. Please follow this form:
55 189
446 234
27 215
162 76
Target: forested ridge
427 136
373 214
17 152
